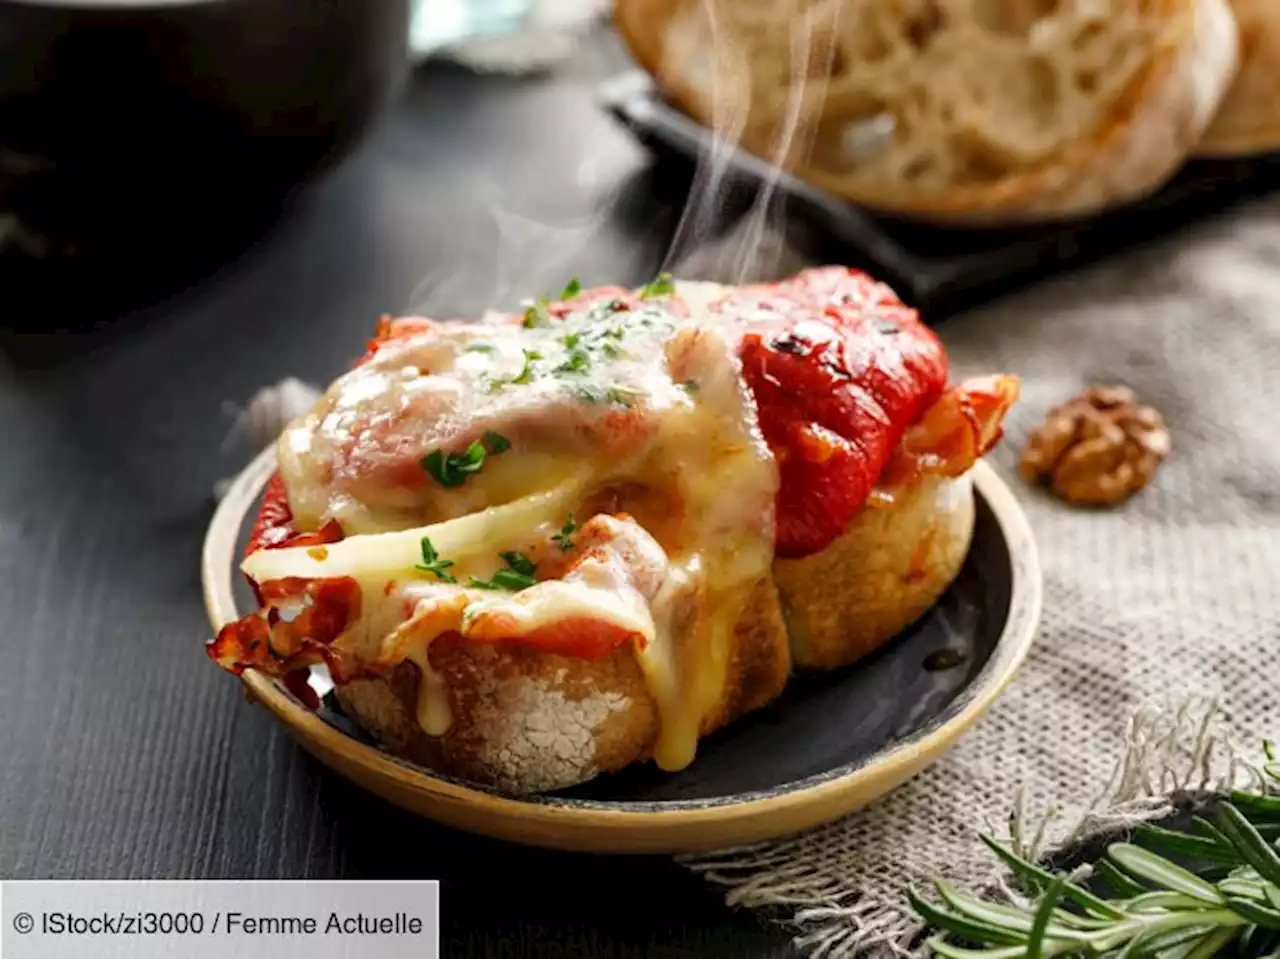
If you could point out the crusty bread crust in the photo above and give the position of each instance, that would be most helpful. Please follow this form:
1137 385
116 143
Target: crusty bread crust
525 721
1248 121
888 568
1145 137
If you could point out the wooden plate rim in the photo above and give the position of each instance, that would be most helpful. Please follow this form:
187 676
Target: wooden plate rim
578 823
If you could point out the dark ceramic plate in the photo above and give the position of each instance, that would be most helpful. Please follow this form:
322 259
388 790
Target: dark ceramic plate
828 746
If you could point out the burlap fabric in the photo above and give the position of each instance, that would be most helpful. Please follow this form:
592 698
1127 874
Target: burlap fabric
1176 593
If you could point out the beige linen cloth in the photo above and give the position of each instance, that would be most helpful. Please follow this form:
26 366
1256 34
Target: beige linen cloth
1155 667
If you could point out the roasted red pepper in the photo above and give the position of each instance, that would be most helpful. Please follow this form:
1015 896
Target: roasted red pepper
840 369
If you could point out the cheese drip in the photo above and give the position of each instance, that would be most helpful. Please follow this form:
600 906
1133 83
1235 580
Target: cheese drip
659 404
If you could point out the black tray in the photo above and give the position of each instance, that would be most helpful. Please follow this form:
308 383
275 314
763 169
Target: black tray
943 270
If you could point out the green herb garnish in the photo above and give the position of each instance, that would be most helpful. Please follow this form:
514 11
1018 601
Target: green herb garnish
432 563
452 469
537 314
571 289
579 361
562 538
526 372
496 442
515 576
662 286
1213 889
622 395
481 348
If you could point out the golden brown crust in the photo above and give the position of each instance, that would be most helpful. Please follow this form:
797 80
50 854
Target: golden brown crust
1145 139
1248 121
521 721
526 721
888 568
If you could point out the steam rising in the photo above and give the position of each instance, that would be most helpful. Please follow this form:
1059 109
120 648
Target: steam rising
511 254
753 250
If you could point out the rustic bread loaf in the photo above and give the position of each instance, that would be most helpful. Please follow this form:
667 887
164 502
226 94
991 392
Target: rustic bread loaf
970 112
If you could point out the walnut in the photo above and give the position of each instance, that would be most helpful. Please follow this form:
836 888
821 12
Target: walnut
1098 448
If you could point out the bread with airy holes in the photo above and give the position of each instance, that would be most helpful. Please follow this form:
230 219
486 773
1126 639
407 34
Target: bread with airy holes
974 112
525 721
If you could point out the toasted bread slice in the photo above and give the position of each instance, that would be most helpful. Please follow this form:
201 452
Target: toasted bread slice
978 112
1248 121
528 721
888 568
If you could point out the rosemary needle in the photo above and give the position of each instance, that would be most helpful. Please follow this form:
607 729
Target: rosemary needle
1221 896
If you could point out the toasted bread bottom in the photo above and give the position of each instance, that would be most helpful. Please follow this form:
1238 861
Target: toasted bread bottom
529 721
888 568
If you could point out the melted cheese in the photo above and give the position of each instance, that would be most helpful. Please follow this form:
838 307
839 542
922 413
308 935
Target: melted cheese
558 602
373 558
658 403
434 715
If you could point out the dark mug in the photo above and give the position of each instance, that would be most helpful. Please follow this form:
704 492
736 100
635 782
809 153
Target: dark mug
154 125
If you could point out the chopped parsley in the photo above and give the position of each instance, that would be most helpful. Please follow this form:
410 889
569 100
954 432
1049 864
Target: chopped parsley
578 362
515 576
689 386
537 314
526 372
622 395
452 469
432 563
618 395
481 348
662 286
562 538
496 442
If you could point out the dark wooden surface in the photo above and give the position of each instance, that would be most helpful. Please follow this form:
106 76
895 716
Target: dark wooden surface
123 752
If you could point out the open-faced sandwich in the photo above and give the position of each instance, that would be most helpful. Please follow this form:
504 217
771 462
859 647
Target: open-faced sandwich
545 545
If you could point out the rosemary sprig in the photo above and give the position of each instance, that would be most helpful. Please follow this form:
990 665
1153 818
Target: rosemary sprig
1221 896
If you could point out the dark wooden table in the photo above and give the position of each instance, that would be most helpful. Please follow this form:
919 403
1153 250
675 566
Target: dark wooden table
123 752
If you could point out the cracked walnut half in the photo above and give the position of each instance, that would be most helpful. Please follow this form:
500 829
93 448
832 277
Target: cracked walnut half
1097 449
